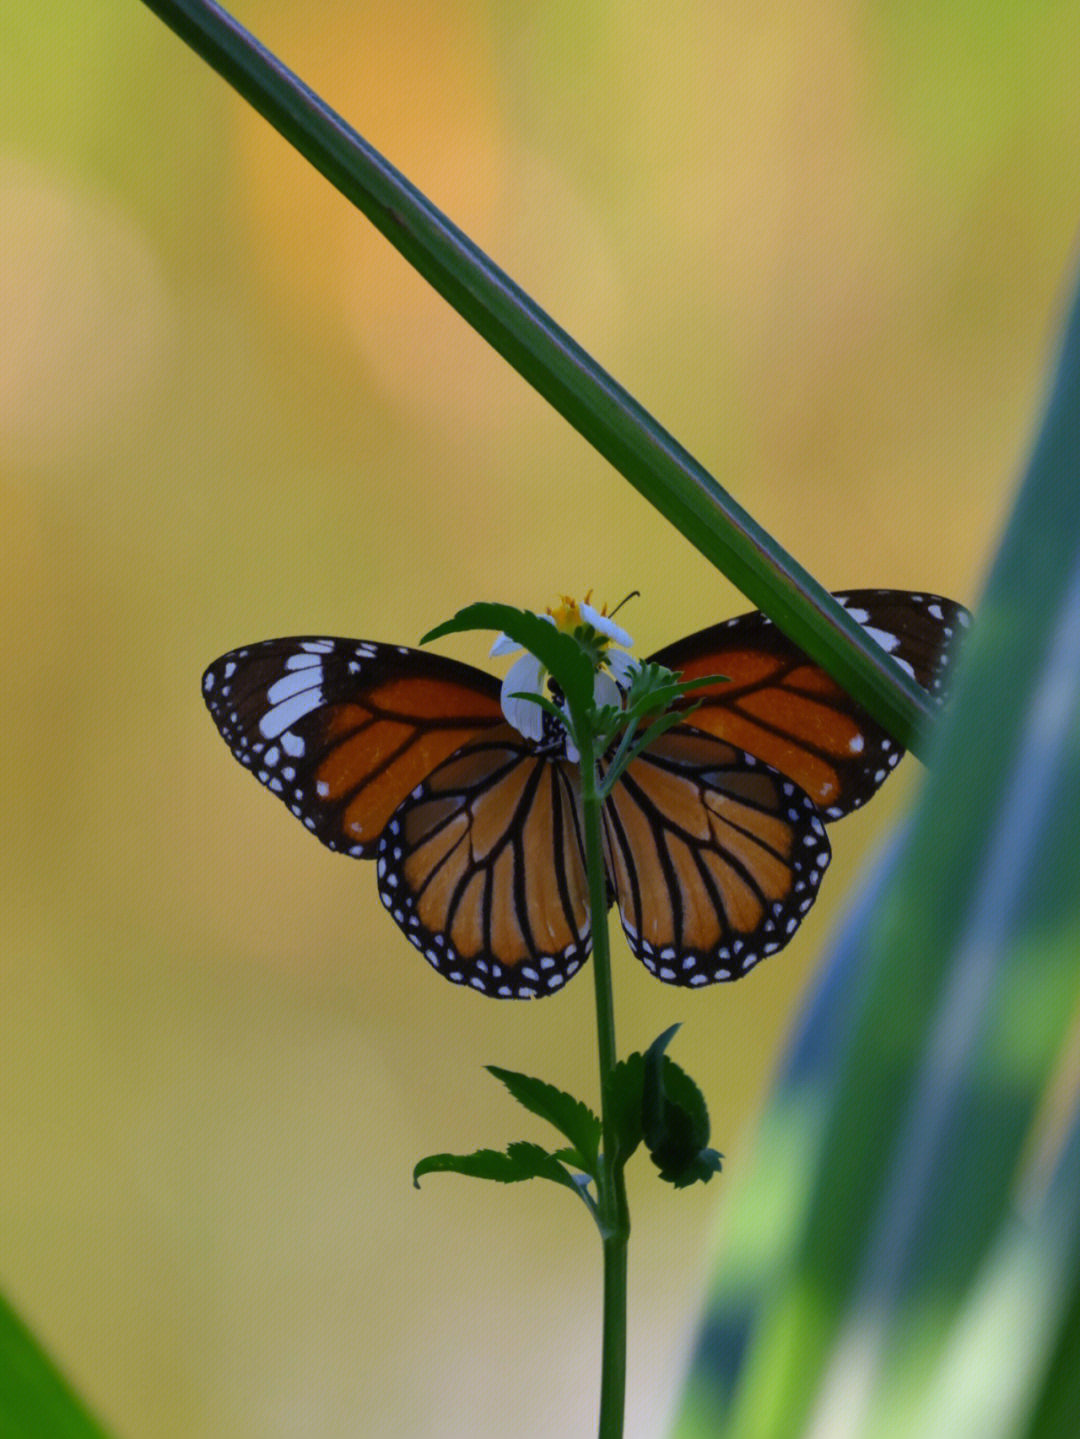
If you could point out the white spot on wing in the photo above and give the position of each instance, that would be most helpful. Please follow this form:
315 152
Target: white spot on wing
295 683
887 641
277 720
292 744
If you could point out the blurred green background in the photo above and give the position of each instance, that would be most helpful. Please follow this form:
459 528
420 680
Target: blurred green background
826 247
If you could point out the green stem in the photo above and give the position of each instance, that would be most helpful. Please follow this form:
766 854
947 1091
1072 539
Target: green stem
614 1212
551 361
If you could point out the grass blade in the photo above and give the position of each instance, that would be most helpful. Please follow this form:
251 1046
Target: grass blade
35 1398
559 369
897 1214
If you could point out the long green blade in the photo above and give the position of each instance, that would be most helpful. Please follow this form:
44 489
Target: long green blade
546 356
922 1268
35 1399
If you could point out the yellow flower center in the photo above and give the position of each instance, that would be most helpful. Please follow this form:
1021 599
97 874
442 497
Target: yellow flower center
569 620
566 614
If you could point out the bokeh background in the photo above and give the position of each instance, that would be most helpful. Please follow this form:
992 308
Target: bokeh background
826 246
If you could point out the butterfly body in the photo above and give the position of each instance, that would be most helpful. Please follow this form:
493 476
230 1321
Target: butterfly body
714 835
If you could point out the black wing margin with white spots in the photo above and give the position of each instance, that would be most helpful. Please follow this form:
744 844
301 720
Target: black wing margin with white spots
782 707
483 869
341 730
714 857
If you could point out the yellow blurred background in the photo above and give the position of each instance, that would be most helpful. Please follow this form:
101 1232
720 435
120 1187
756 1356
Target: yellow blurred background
826 246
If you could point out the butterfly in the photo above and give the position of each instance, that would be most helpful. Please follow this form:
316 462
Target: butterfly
714 835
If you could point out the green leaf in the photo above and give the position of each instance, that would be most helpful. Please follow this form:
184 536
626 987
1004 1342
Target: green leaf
519 1161
653 1059
649 1097
559 653
568 1115
560 370
902 1259
653 732
35 1399
623 1097
575 1160
675 1119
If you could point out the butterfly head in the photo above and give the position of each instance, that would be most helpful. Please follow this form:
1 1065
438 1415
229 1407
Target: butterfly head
606 644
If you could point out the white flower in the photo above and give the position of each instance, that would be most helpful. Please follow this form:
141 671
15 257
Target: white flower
527 676
605 624
622 666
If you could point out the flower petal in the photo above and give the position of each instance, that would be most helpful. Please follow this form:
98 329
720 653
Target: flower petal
606 691
604 624
623 667
504 645
525 676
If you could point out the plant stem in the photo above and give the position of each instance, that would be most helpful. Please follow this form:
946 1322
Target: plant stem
614 1212
555 365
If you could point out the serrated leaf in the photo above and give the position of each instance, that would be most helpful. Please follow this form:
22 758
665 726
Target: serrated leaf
559 653
659 727
574 1159
570 1116
675 1119
677 1091
481 1164
517 1162
678 1145
655 1052
542 1165
623 1100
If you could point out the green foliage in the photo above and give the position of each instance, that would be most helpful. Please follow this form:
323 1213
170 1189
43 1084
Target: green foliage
568 1115
560 370
647 1096
518 1161
651 1099
35 1399
921 1272
572 660
574 1120
559 653
900 1148
675 1119
624 1105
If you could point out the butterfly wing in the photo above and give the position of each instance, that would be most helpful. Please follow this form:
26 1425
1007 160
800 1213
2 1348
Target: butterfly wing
714 857
779 705
483 869
343 730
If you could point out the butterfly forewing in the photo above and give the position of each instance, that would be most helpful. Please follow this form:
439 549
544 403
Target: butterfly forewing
482 867
781 707
343 730
714 856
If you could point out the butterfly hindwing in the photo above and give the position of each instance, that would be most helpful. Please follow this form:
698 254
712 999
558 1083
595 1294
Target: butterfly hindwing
714 857
483 869
780 706
343 730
